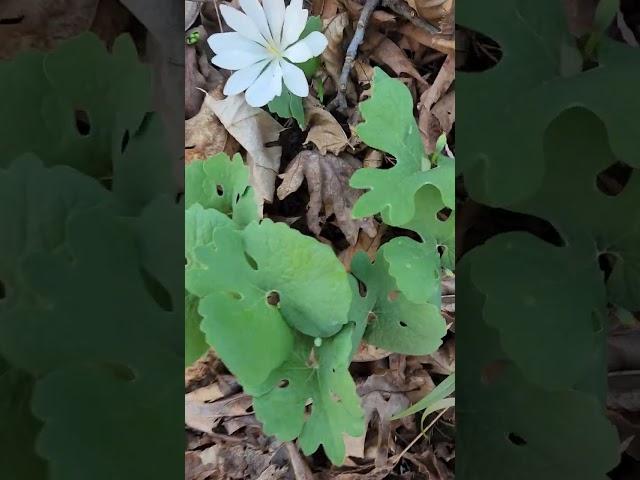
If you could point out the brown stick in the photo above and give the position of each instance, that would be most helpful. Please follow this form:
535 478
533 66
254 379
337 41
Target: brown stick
352 52
404 10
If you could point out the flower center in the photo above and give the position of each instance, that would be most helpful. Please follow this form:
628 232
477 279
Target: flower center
274 49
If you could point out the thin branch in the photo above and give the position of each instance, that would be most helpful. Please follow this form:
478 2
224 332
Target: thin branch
404 10
352 52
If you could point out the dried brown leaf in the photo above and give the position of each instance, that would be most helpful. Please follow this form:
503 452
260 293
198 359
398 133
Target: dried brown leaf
442 44
204 134
383 50
324 130
334 54
258 133
427 121
203 417
327 179
44 23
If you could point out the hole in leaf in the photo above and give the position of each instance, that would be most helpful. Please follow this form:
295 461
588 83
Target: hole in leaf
220 190
273 298
493 221
11 20
284 383
612 180
442 250
158 292
307 409
251 261
607 262
393 295
492 372
125 141
482 52
444 214
83 125
372 317
516 439
403 324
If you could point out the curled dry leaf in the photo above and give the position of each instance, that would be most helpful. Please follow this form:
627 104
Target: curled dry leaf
429 125
203 416
41 24
329 191
205 136
324 130
199 75
442 44
433 10
191 12
384 51
258 133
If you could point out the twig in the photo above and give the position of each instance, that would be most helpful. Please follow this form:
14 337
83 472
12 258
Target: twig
404 10
341 99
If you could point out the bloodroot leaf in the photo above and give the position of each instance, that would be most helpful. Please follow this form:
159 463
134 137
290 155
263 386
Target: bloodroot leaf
535 295
506 422
281 281
319 377
397 324
221 184
391 127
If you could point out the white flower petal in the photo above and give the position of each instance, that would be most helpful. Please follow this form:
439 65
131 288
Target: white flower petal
267 87
233 41
237 60
274 10
242 24
317 42
255 12
294 79
295 19
243 79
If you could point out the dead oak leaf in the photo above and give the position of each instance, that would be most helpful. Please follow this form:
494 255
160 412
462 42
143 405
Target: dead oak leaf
329 191
324 130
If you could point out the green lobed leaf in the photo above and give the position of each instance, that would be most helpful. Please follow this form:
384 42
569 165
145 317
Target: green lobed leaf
313 289
506 423
525 91
395 323
320 374
19 426
112 88
392 191
221 184
82 373
195 342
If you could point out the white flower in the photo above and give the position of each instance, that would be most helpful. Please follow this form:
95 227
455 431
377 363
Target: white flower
263 49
